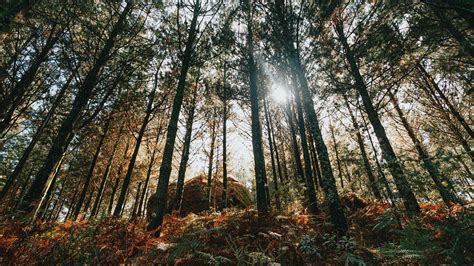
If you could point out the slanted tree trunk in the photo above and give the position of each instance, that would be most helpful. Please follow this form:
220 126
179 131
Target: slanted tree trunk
105 176
148 173
442 184
131 165
310 190
88 202
71 206
117 178
90 173
66 131
26 154
259 159
409 199
435 89
272 158
166 163
46 200
294 142
426 86
53 209
176 203
383 177
275 144
368 169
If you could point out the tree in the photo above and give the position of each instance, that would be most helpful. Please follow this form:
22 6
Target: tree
65 133
259 159
165 168
409 199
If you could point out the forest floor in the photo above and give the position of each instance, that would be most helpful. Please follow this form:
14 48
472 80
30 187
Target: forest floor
438 235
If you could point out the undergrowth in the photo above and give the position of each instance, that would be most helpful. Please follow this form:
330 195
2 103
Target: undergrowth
240 237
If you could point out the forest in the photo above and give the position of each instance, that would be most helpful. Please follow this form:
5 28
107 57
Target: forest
225 132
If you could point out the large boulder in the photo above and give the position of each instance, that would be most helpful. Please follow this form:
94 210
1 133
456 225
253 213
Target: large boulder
195 198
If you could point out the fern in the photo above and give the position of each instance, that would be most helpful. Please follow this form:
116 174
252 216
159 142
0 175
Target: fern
353 259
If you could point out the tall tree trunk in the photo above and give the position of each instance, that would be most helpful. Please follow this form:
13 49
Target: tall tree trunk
66 131
176 203
224 144
275 144
409 199
329 185
53 209
294 142
45 201
71 206
166 163
379 166
105 176
211 160
133 159
149 170
426 87
26 154
117 179
442 184
310 190
88 202
314 158
272 158
90 173
137 200
363 152
259 159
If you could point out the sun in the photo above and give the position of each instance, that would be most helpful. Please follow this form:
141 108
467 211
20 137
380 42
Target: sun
279 94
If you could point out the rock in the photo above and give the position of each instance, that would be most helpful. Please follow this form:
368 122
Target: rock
195 195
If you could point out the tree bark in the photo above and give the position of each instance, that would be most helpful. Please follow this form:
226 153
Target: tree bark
275 144
224 144
137 200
